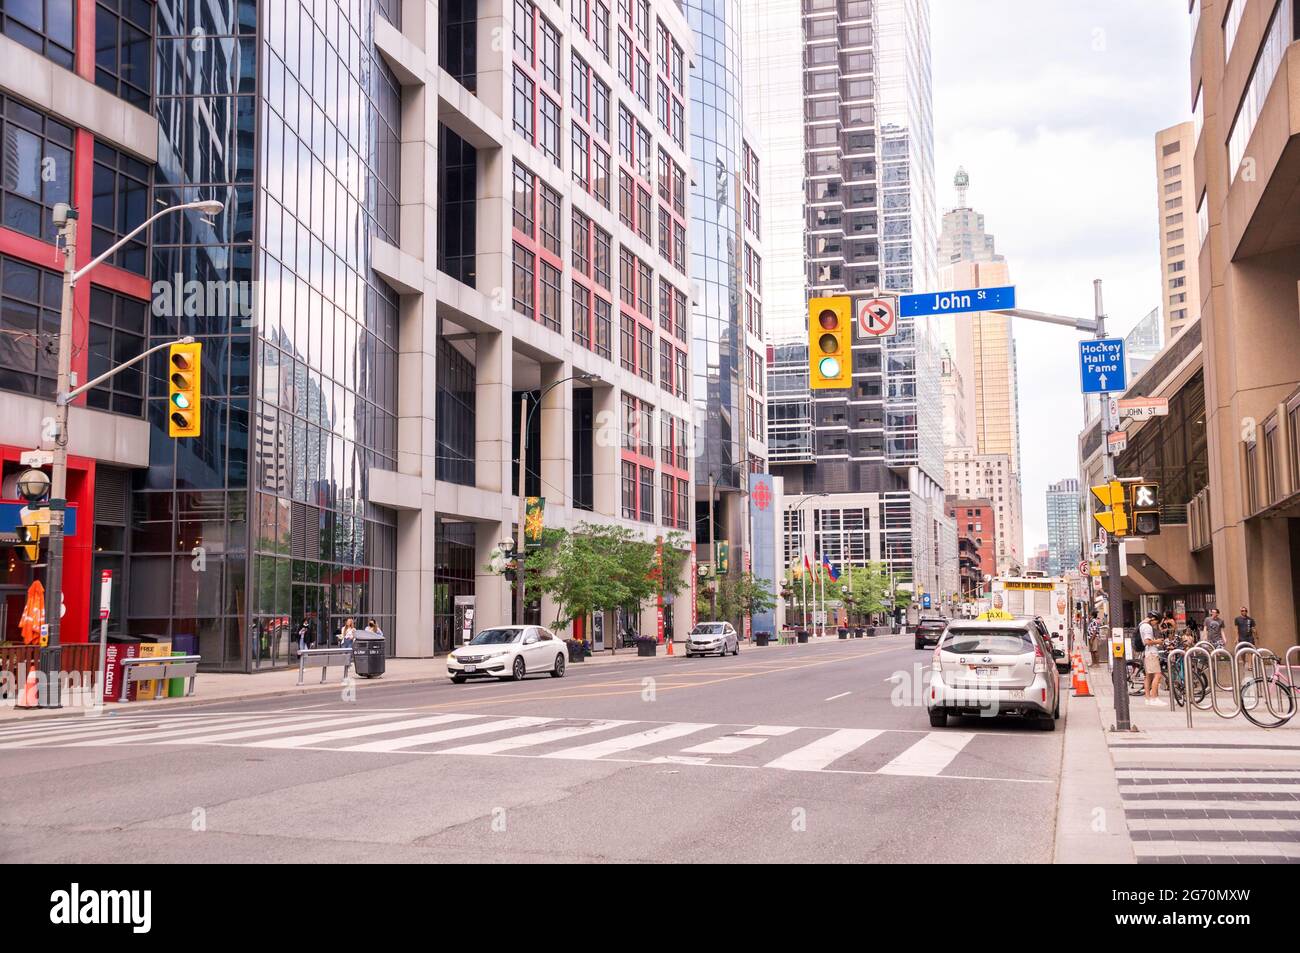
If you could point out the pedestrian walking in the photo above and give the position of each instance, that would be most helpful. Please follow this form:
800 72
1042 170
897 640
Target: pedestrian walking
304 632
1214 628
1151 640
349 633
1245 627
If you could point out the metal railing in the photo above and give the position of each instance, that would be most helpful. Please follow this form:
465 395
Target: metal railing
323 659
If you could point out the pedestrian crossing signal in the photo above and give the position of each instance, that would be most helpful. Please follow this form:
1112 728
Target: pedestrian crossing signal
1144 501
184 371
830 339
29 540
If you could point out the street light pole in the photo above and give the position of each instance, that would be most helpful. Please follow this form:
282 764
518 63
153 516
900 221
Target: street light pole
65 219
525 422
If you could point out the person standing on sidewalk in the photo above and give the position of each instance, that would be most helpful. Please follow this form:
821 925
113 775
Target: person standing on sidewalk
1151 657
1214 628
1245 627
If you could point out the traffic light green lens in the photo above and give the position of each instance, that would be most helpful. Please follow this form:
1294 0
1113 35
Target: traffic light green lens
181 401
829 367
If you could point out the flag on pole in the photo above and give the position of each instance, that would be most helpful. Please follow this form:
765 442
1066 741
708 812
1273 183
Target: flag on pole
830 570
807 563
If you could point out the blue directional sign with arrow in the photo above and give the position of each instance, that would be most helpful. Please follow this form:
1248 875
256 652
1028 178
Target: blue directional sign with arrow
957 302
1102 368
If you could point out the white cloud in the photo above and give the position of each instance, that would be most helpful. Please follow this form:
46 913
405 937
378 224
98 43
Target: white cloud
1052 108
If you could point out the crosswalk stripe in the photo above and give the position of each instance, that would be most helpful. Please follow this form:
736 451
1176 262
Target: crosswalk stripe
771 731
563 733
302 741
448 734
930 755
640 739
1167 848
92 723
275 727
820 753
73 737
728 744
1209 788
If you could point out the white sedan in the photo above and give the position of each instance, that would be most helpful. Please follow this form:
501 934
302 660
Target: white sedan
508 651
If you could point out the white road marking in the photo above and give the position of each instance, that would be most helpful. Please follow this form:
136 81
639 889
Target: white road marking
833 697
771 731
678 759
302 741
640 739
111 729
727 744
447 734
820 753
563 733
269 727
930 755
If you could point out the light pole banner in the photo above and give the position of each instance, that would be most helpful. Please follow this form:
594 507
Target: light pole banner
762 542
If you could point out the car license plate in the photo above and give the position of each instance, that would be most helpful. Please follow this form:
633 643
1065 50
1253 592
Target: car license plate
1016 695
471 668
984 671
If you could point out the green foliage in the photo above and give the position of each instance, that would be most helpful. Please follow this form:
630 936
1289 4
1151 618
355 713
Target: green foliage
738 596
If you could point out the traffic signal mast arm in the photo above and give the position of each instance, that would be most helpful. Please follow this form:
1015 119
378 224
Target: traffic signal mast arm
1079 324
72 395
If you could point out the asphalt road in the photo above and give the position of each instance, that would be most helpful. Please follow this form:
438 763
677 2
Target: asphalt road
818 753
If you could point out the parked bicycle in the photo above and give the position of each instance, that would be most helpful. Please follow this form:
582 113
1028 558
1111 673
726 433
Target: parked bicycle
1281 693
1135 676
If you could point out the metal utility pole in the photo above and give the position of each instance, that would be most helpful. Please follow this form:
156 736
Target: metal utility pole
65 220
713 559
1114 595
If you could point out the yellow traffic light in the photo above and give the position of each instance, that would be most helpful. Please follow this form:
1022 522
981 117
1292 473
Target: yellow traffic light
184 371
830 340
1114 518
31 530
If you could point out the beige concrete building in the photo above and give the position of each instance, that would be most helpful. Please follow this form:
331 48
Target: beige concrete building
957 403
1180 243
1245 87
973 475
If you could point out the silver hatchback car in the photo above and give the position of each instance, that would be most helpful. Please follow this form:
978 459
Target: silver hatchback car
713 638
994 668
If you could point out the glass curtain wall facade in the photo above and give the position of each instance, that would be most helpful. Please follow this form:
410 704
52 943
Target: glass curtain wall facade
716 243
283 112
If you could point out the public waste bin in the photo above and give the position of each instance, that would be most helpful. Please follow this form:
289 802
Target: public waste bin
368 656
577 650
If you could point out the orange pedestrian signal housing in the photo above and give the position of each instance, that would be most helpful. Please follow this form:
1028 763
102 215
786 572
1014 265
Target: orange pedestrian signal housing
830 343
184 372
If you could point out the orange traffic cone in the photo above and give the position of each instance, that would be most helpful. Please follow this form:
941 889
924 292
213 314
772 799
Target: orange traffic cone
30 696
1080 686
670 646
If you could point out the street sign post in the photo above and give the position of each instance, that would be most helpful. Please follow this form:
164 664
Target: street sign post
957 302
1116 442
878 317
1101 366
105 600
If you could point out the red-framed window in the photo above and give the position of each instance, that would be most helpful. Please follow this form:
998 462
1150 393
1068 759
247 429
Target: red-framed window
638 459
592 19
536 112
537 263
674 505
592 306
670 108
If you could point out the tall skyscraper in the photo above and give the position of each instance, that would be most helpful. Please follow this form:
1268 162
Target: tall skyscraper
860 220
728 378
1180 242
1064 540
1142 344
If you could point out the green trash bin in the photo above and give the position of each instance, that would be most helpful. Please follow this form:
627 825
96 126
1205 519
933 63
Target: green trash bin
176 686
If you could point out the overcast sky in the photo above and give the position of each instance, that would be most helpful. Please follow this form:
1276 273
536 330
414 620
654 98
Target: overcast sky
1052 107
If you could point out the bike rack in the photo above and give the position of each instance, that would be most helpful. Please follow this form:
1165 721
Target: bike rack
1262 660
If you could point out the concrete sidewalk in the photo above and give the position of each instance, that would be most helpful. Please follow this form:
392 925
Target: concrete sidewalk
1222 791
211 687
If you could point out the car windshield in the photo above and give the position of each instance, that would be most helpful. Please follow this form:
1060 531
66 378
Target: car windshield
988 642
710 628
495 637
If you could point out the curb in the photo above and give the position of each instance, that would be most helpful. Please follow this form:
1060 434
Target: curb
1089 793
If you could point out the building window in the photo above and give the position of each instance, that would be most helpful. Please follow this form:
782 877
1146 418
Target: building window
523 281
45 26
629 490
29 327
456 434
457 206
388 151
36 162
523 104
604 328
550 297
117 334
550 219
123 49
647 495
458 41
121 204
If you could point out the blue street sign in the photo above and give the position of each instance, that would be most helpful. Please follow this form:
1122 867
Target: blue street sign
957 302
1102 366
925 600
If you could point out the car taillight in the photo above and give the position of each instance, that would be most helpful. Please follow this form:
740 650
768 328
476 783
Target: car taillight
1040 661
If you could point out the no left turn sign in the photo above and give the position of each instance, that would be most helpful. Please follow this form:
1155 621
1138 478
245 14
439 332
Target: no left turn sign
878 317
